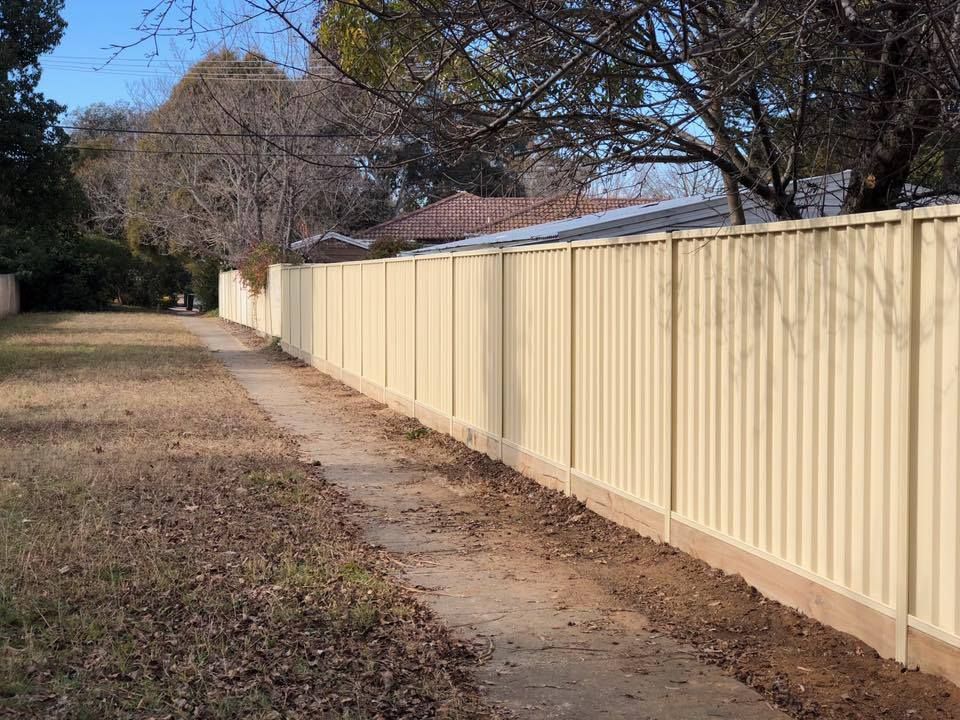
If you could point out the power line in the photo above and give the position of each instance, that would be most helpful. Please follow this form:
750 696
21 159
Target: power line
107 60
189 75
190 133
215 69
147 61
216 153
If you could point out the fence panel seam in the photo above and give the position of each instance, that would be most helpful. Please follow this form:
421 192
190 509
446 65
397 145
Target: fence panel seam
907 475
672 317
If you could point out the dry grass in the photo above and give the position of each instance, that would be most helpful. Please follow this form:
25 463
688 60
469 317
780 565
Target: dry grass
163 554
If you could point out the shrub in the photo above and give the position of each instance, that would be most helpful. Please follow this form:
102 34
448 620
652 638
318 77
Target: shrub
205 281
256 265
390 248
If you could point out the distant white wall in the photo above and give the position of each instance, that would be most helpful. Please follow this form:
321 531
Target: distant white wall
9 296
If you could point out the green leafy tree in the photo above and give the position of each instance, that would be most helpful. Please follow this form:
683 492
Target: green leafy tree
39 199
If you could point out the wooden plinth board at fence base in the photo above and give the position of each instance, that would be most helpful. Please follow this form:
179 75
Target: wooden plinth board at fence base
546 472
348 377
296 353
931 654
398 402
790 588
476 439
616 507
373 390
431 417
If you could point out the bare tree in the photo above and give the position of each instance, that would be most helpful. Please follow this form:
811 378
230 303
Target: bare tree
240 154
101 136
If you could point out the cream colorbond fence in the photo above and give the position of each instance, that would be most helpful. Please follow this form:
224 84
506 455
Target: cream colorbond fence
780 400
260 311
9 295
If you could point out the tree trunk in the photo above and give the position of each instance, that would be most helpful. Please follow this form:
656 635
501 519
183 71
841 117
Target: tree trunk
734 201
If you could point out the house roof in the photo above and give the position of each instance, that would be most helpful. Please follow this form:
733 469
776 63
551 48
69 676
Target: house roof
463 213
651 217
559 207
309 242
817 196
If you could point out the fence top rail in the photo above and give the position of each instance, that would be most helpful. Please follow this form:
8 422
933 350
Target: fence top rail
936 211
872 218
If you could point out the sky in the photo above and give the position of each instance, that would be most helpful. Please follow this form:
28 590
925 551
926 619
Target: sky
71 75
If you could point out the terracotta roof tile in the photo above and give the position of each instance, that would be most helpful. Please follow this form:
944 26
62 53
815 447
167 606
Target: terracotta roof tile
558 208
463 214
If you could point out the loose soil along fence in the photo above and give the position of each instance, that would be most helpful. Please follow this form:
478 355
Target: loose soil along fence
782 400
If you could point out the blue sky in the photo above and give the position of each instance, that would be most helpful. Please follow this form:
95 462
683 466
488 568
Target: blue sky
70 75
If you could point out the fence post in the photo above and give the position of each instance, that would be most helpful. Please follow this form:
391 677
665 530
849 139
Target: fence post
503 343
909 399
671 479
453 343
413 400
343 341
360 316
568 406
326 317
386 346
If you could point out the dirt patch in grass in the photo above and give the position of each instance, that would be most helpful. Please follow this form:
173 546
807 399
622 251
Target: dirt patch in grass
802 667
163 553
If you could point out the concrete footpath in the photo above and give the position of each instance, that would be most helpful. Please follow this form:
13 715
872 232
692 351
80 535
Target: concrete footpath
558 646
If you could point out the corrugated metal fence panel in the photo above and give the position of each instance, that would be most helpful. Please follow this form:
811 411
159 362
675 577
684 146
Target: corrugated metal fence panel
374 319
790 357
274 286
222 295
400 323
352 308
536 368
936 523
262 310
335 315
621 403
285 306
293 278
476 343
242 304
226 296
306 309
320 312
433 333
239 298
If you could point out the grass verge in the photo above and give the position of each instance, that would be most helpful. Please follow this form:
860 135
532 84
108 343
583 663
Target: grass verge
165 555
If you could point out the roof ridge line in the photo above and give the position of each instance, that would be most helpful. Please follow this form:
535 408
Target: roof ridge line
428 206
